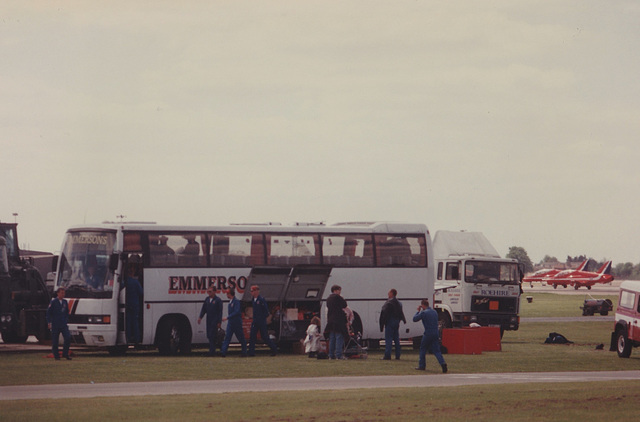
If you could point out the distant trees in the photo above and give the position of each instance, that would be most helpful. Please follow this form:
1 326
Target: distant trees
626 271
519 253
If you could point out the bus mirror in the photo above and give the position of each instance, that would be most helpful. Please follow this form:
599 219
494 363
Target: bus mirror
113 262
54 263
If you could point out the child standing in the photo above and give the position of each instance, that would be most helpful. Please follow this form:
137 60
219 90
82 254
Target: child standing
312 341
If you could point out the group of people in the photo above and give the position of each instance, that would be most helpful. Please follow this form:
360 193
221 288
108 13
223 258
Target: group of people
338 319
390 317
212 308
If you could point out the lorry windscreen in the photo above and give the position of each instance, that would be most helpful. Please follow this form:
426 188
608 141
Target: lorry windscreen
84 265
491 272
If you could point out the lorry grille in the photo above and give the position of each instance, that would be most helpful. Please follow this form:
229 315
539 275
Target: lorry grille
493 304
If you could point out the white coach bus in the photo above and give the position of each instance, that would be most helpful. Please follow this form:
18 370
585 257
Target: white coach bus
294 266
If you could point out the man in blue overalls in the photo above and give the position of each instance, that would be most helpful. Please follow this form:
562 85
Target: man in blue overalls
212 306
430 338
57 320
234 326
259 324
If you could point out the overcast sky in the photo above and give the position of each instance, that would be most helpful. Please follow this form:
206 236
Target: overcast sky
519 119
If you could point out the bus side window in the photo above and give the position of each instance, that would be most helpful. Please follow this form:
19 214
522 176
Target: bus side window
440 270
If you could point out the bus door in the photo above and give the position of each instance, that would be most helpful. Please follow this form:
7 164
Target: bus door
130 302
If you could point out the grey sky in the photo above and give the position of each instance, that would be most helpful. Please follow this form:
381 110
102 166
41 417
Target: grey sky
516 119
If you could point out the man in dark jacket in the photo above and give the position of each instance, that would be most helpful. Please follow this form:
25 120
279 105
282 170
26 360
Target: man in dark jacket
259 323
234 326
390 318
212 306
336 322
57 320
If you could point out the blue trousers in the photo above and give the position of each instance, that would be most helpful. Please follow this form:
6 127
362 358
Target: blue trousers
55 339
253 335
133 325
234 327
430 341
392 335
336 344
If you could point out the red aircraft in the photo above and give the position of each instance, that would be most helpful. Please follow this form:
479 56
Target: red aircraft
540 275
579 278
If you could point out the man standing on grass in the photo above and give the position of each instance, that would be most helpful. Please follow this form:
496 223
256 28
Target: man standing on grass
58 320
212 306
336 322
259 323
390 318
430 338
234 326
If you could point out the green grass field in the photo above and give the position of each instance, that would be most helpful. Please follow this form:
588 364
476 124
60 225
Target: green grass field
556 305
522 351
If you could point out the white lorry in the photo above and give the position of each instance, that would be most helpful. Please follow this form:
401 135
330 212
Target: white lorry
473 283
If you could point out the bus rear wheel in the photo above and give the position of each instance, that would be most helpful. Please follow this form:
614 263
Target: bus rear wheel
173 337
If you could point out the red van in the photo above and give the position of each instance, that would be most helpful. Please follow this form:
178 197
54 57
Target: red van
626 332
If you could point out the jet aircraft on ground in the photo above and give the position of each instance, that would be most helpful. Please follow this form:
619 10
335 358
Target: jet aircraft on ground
580 278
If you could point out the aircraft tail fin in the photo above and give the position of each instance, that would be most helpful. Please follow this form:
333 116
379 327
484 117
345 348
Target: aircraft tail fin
583 266
606 268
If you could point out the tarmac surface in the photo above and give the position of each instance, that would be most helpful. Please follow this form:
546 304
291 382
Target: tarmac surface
66 391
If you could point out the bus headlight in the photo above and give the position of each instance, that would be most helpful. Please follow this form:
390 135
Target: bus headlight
98 319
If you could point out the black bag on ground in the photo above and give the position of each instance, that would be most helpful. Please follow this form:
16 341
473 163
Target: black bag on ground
556 338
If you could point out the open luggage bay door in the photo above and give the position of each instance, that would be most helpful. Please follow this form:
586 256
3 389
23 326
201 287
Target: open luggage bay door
294 295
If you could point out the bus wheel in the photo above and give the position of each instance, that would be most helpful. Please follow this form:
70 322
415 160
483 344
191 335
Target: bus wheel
173 337
373 344
119 350
356 326
623 344
13 337
416 343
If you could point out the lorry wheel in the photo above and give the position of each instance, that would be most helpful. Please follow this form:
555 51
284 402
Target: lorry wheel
623 344
444 321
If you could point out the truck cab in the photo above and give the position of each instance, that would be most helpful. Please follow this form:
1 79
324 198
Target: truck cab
473 283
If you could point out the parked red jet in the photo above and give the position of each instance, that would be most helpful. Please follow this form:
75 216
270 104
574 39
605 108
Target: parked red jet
540 275
580 278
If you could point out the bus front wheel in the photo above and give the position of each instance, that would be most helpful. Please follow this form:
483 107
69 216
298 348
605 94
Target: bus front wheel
173 337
